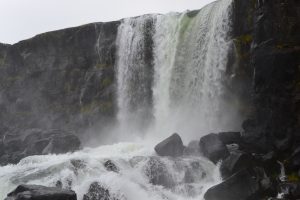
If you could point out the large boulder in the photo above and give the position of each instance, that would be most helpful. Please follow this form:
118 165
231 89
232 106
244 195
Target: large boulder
241 186
230 137
235 162
172 146
213 148
38 192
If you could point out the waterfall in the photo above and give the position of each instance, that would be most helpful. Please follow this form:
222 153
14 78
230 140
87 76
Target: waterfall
190 53
134 72
170 78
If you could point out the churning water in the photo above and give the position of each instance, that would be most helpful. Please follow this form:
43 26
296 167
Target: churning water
170 72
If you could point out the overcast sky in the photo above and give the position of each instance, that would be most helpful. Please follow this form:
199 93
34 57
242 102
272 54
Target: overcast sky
22 19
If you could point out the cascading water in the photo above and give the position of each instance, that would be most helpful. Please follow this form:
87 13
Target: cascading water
134 73
170 71
191 53
137 166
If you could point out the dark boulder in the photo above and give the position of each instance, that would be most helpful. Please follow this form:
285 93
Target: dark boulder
241 186
235 162
110 166
172 146
98 192
213 148
230 137
37 192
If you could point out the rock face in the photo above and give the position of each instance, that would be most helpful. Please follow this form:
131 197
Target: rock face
265 75
14 147
172 146
37 192
241 186
59 80
213 148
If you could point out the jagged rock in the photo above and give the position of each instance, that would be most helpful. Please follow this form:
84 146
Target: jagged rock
241 186
230 137
232 147
110 166
37 192
213 148
157 172
235 162
172 146
98 192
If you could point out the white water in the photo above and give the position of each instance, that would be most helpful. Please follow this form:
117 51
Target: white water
187 91
190 63
130 183
181 91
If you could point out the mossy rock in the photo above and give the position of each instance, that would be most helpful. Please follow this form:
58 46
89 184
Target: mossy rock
293 177
106 82
102 66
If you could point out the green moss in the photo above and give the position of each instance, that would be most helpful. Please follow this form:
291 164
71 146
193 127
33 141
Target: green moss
88 108
106 82
13 79
2 59
106 106
293 177
102 66
93 106
184 24
245 39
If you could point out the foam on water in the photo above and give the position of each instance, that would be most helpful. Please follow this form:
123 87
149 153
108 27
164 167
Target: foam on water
130 183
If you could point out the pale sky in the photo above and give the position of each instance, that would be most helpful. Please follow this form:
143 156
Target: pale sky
22 19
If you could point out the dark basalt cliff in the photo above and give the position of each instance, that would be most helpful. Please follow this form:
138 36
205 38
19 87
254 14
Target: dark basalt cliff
59 79
267 40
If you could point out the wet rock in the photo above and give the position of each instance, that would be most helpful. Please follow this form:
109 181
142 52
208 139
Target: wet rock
232 147
230 137
98 192
235 162
157 172
37 192
241 186
172 146
110 166
213 148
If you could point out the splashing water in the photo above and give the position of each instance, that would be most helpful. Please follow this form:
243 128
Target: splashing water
78 170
